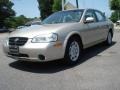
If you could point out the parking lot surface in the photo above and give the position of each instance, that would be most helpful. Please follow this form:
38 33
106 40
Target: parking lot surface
99 69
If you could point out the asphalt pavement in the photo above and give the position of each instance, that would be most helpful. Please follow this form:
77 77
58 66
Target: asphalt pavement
99 69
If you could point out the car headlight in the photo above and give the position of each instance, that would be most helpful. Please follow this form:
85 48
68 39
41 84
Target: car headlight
45 38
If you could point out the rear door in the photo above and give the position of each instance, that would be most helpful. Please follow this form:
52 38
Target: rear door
103 25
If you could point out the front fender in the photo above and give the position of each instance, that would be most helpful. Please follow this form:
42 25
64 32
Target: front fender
68 37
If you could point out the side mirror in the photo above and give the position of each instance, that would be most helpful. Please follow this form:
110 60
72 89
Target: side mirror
89 20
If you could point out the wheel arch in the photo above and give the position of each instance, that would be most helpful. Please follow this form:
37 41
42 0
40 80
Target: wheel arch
72 34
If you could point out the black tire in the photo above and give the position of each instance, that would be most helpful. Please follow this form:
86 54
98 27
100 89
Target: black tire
109 39
67 53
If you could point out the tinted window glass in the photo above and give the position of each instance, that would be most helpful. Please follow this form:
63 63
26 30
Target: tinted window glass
90 13
100 16
64 17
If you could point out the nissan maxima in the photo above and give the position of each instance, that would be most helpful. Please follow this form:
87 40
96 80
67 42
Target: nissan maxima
63 34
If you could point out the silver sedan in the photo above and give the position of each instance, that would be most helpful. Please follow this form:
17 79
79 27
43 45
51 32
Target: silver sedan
63 34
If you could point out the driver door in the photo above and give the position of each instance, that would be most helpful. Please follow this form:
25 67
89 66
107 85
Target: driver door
91 29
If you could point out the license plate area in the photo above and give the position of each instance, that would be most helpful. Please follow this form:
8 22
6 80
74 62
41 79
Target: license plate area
13 49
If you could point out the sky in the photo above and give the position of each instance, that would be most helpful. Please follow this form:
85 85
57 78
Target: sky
102 5
29 8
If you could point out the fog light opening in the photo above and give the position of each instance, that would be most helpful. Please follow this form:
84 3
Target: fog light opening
41 57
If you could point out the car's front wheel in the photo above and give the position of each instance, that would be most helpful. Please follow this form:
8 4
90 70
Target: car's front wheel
73 51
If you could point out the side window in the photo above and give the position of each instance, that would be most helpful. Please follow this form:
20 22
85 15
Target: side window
100 16
90 13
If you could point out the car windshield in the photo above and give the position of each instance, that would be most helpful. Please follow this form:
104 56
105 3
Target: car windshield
64 17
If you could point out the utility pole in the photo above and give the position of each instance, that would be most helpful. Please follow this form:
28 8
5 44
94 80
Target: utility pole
63 4
77 4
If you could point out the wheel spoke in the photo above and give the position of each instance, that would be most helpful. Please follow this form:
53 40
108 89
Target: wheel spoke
74 51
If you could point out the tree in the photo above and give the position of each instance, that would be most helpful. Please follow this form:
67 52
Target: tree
114 16
48 7
57 6
6 11
14 22
45 7
115 6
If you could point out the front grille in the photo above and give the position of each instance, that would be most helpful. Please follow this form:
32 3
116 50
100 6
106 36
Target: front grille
19 55
19 41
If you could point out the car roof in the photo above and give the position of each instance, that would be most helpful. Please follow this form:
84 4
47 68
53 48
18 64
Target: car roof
83 10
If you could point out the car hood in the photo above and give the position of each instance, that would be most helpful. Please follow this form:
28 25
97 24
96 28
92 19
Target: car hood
35 30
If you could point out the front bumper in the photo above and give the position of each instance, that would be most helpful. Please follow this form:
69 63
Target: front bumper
33 51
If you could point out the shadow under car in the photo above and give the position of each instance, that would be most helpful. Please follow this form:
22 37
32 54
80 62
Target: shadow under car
58 65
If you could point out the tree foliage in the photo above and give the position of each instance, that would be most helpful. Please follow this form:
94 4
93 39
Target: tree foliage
6 11
57 6
14 22
114 16
47 7
115 4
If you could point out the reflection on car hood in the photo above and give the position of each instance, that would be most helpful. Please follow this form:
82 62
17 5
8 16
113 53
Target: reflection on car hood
35 30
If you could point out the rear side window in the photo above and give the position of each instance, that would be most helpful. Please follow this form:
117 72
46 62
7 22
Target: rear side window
100 16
